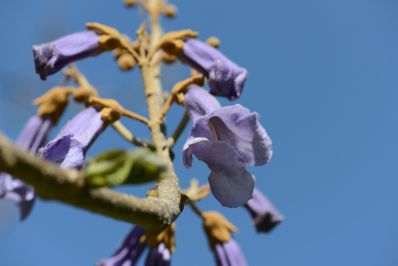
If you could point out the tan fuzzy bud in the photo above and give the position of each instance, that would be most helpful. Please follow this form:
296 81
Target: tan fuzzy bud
170 11
126 61
217 228
166 237
213 41
53 103
130 3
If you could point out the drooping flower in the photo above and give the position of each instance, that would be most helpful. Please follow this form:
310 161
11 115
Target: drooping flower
229 254
226 139
161 246
158 256
225 249
129 251
265 215
53 56
69 147
225 78
31 138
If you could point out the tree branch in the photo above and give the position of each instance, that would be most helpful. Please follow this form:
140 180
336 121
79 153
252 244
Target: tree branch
54 183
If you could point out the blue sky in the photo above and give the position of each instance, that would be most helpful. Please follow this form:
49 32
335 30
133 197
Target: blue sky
322 75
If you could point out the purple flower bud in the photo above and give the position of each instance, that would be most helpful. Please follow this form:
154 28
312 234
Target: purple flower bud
265 216
129 251
52 57
225 77
229 254
226 139
31 138
69 147
159 256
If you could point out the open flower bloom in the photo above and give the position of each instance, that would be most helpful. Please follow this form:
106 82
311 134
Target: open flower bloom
265 216
130 250
52 57
69 147
31 138
226 139
225 78
219 234
158 256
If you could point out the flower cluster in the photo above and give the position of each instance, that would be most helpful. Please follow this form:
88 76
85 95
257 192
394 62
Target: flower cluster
228 139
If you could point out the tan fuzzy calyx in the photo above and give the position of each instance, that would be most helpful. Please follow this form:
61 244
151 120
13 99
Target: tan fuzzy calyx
217 227
169 11
166 237
126 61
111 109
130 3
196 192
52 104
213 41
83 94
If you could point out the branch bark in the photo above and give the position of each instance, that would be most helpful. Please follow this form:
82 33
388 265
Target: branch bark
54 183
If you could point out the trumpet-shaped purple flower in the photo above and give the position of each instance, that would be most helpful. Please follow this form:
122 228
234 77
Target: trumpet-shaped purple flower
52 57
69 147
159 256
31 138
225 78
129 252
229 254
226 139
264 214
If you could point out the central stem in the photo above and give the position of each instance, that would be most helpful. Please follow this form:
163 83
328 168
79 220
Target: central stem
168 187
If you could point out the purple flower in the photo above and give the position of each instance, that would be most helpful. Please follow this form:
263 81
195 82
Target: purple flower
159 256
225 77
52 57
229 254
264 214
69 147
226 139
31 138
130 250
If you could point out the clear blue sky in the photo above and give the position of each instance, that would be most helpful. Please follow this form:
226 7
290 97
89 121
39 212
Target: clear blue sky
323 76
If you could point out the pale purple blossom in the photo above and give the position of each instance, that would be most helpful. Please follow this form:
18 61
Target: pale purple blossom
31 138
225 78
53 56
265 215
227 139
69 147
129 251
229 254
158 256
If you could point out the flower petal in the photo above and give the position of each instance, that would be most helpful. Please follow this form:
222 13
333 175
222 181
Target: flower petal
240 128
265 215
199 102
85 126
229 181
225 77
52 57
234 253
65 151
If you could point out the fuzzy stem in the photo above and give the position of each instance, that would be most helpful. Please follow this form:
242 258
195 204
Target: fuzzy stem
167 186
